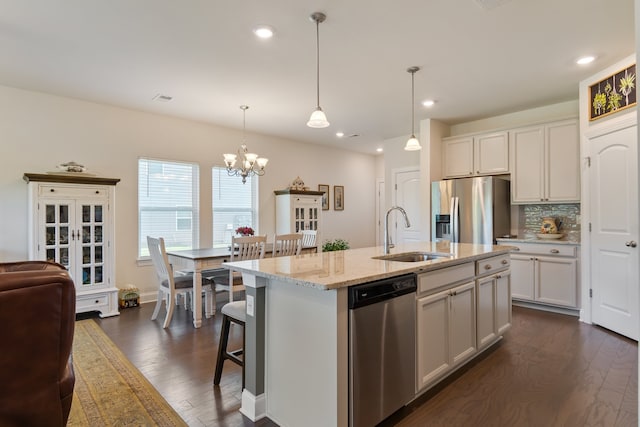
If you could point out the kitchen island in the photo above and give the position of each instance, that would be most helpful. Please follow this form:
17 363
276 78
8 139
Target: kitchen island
296 332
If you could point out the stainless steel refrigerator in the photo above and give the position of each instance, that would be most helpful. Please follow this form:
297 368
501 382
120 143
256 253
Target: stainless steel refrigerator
470 210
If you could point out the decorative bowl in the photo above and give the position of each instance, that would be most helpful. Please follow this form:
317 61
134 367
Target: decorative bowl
550 236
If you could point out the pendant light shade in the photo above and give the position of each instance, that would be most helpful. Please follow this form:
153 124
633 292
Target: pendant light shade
412 144
318 119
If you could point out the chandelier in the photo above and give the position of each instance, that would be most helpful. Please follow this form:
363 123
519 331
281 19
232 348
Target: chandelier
250 163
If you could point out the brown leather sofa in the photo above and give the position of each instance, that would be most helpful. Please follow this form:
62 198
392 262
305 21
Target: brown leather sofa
37 319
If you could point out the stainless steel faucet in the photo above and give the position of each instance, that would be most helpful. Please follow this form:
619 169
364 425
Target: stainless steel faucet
387 241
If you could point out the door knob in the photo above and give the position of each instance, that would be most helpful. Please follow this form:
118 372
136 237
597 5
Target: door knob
631 244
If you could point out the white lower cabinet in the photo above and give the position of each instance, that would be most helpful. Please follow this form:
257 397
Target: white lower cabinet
545 273
460 310
446 331
494 307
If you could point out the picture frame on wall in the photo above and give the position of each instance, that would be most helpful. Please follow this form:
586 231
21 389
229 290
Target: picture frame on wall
325 197
338 197
613 94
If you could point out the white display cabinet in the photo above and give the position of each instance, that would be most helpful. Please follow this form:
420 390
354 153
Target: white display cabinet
72 223
298 210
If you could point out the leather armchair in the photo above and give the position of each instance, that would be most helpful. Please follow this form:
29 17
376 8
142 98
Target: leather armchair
37 319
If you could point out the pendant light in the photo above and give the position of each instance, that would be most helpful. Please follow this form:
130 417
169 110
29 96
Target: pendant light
250 163
318 119
412 144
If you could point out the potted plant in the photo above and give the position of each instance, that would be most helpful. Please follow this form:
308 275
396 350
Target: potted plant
335 245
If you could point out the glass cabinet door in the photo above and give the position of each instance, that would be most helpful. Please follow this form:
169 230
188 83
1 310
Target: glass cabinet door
58 229
91 227
73 235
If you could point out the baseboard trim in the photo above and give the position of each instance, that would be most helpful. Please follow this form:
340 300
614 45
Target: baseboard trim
253 407
550 308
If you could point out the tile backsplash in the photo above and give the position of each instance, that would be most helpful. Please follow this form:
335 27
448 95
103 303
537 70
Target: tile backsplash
530 219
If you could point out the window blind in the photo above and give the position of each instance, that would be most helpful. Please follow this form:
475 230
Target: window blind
168 204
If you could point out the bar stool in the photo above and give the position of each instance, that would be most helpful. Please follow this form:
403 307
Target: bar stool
232 312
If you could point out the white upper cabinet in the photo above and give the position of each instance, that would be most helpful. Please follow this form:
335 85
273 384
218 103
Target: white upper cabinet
545 163
485 154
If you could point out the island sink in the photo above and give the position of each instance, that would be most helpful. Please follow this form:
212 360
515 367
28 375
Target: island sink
412 256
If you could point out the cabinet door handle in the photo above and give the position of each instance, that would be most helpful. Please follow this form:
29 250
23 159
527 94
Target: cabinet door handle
505 262
516 249
631 244
498 276
554 251
52 190
487 267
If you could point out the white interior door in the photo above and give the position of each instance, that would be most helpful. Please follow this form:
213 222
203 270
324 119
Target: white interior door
613 177
407 196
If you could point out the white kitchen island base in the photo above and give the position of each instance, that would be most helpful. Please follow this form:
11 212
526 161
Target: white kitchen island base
296 330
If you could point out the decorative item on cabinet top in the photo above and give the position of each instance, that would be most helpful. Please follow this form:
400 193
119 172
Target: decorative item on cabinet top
298 184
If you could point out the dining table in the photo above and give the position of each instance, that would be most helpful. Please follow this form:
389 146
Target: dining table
206 259
197 261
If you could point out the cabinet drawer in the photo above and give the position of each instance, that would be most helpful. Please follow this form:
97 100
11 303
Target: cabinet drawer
489 265
51 190
544 249
89 301
433 280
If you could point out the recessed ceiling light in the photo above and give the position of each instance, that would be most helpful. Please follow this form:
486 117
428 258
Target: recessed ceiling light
339 134
379 150
263 31
428 103
585 60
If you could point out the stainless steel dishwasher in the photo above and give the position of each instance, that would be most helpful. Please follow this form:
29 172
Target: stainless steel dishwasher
382 335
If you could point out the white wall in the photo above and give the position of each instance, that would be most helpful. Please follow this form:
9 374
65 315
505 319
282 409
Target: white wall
39 131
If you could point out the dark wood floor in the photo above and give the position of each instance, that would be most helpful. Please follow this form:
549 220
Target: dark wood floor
550 370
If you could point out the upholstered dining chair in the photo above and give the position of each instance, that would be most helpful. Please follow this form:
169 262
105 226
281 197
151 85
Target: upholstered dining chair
171 284
287 244
309 238
242 248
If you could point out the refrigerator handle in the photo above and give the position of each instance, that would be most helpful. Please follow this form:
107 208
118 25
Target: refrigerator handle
455 237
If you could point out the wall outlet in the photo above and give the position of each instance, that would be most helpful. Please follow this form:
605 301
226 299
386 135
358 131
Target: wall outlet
250 305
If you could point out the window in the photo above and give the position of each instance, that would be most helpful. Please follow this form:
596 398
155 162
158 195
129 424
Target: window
234 205
167 204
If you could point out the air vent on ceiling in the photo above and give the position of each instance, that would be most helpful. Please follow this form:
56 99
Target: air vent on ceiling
162 98
490 4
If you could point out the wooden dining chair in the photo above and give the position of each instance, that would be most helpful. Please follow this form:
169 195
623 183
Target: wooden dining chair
242 248
172 284
309 238
287 244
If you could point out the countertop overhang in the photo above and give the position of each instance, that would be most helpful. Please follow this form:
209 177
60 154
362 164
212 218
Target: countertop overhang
334 270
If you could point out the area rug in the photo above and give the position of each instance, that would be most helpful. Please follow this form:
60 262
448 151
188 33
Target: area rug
109 390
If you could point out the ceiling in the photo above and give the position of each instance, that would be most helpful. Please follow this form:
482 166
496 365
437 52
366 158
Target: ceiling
478 58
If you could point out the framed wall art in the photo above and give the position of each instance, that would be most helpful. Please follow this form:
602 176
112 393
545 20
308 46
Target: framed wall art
615 93
325 197
338 197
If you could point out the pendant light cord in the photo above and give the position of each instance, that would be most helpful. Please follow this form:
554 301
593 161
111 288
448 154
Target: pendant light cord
318 62
412 104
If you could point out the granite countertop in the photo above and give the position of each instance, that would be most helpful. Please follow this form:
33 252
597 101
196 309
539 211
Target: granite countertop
333 270
562 241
